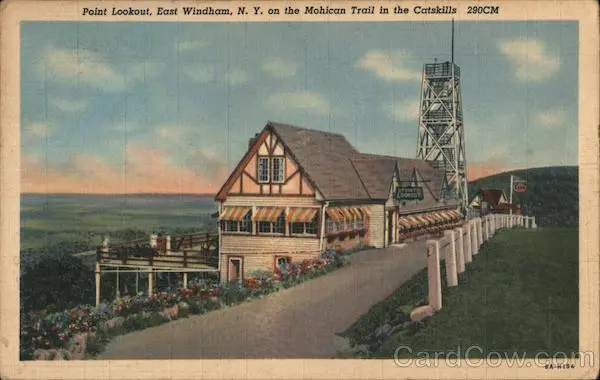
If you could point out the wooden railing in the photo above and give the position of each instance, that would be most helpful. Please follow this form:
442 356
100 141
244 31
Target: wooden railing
204 240
195 250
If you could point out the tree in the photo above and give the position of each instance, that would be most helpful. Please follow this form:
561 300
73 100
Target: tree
57 283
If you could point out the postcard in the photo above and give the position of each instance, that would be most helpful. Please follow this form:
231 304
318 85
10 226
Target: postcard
310 189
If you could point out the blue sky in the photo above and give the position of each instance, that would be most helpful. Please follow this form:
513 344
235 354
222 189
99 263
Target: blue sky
175 103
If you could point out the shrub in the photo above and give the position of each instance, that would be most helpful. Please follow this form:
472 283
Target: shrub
232 293
56 284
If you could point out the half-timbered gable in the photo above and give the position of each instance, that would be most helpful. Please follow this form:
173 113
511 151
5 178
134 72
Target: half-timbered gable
267 169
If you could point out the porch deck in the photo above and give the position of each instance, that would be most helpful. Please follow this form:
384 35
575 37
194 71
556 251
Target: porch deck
192 252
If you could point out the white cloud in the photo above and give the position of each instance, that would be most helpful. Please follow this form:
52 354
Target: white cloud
184 46
392 66
91 68
403 110
235 77
200 74
279 67
306 100
530 59
143 70
72 106
39 130
550 118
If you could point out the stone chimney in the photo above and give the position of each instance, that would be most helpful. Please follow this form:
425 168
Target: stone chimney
252 140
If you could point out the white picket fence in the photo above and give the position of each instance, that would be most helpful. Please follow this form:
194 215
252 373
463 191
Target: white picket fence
460 245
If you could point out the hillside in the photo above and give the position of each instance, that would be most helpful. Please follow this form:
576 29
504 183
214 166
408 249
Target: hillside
552 193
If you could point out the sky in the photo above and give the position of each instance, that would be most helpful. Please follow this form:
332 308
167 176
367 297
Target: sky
130 107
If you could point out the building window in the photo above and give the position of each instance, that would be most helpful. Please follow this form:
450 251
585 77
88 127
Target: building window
278 169
303 228
279 224
297 228
282 262
244 225
330 226
359 224
263 169
277 227
264 227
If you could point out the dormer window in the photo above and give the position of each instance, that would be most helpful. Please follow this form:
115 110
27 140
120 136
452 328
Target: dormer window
263 169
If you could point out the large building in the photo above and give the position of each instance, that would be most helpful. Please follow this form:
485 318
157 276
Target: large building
297 192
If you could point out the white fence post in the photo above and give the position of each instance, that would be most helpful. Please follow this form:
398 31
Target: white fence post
153 239
460 250
479 233
533 225
450 258
475 238
433 275
468 242
494 217
168 244
484 229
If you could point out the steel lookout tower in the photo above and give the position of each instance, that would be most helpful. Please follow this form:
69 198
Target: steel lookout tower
441 132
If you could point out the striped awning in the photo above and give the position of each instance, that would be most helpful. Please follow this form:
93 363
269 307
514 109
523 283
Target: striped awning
457 214
347 213
234 213
335 214
446 215
430 218
339 214
301 215
439 216
267 214
414 222
422 219
356 212
404 222
366 211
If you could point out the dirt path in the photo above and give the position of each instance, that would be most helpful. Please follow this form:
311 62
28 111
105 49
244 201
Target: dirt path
300 322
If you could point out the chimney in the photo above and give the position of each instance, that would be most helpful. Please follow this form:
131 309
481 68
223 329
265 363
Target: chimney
252 140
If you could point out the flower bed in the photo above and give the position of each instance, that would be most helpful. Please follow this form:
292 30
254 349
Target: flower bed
48 336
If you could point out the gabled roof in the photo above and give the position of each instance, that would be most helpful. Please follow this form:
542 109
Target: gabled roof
340 172
491 196
326 159
376 174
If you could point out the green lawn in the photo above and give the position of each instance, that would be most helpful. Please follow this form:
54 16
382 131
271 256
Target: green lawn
519 295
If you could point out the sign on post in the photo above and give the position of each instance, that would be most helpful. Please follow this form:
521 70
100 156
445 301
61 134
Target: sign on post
409 193
520 187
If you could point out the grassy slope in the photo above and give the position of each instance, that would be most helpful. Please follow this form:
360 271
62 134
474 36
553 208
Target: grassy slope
552 194
520 294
